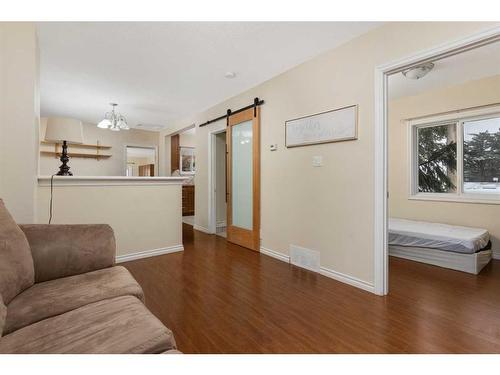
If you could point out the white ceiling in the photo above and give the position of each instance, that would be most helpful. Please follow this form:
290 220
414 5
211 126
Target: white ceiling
468 66
161 71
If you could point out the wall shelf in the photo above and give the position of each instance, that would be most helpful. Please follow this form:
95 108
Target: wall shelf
83 145
76 155
85 150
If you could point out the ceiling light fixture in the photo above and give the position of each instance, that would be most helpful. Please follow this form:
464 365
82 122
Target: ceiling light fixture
419 71
230 75
113 120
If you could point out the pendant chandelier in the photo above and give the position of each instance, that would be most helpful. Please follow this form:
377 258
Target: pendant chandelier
113 120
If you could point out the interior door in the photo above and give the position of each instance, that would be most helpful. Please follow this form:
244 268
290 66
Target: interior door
243 179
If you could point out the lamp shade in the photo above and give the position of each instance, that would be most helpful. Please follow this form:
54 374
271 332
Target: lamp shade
64 129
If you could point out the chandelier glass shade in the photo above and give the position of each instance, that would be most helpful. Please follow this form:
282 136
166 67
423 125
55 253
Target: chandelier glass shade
113 120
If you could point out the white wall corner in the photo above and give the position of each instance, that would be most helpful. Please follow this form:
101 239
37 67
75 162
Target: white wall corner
346 279
338 276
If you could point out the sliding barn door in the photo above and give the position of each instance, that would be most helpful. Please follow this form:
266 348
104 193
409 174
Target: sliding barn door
243 179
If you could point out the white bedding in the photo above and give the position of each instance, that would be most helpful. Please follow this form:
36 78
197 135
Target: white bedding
466 240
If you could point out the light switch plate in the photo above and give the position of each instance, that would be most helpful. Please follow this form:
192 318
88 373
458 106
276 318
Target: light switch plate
317 161
273 147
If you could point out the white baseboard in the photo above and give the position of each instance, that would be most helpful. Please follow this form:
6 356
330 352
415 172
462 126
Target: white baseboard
495 254
343 278
202 229
220 227
148 253
346 279
275 254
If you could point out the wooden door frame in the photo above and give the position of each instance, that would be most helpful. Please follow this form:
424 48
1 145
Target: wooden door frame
175 153
251 238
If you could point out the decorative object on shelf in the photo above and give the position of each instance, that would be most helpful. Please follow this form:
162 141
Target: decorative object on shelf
331 126
113 120
67 131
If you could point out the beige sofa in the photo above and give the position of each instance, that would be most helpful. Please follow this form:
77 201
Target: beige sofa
60 292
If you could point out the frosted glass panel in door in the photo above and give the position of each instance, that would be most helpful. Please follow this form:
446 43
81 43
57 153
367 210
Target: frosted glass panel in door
242 175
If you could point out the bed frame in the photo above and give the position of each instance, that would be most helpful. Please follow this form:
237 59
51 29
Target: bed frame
471 263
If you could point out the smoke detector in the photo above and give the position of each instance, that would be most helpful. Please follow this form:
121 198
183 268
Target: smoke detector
418 71
230 75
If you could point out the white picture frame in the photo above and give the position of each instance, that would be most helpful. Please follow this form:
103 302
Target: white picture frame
335 125
187 160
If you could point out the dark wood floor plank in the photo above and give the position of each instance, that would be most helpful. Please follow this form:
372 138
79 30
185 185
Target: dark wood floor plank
220 298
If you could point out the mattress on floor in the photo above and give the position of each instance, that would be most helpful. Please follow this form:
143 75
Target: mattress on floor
470 263
421 234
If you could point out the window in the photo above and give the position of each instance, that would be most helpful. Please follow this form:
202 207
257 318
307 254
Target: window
437 159
456 157
482 156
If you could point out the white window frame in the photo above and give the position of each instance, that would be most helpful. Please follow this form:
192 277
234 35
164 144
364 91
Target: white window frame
458 118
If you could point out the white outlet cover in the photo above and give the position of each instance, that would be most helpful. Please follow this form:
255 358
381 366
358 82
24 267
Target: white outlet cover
317 161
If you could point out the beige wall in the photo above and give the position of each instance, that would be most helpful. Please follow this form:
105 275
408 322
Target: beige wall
329 209
141 161
187 140
143 217
19 118
113 166
471 94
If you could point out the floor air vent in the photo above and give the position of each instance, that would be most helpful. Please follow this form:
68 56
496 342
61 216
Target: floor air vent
305 258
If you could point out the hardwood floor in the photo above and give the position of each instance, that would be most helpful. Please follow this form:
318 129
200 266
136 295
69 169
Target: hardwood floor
220 298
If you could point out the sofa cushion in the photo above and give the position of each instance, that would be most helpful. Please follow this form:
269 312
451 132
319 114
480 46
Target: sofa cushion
62 250
117 325
54 297
16 264
3 314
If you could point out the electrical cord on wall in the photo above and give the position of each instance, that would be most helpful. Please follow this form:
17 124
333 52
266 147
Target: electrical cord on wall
51 195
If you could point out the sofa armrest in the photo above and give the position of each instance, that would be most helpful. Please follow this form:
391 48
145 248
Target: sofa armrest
66 250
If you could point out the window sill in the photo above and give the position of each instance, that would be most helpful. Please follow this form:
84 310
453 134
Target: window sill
453 198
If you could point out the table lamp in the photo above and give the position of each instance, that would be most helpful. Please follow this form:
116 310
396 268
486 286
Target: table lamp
67 131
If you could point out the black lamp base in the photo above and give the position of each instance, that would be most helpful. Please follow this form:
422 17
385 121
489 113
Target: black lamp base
64 168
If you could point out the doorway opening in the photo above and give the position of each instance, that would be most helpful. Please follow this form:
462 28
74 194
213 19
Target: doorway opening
217 180
414 67
141 161
220 173
182 146
234 187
